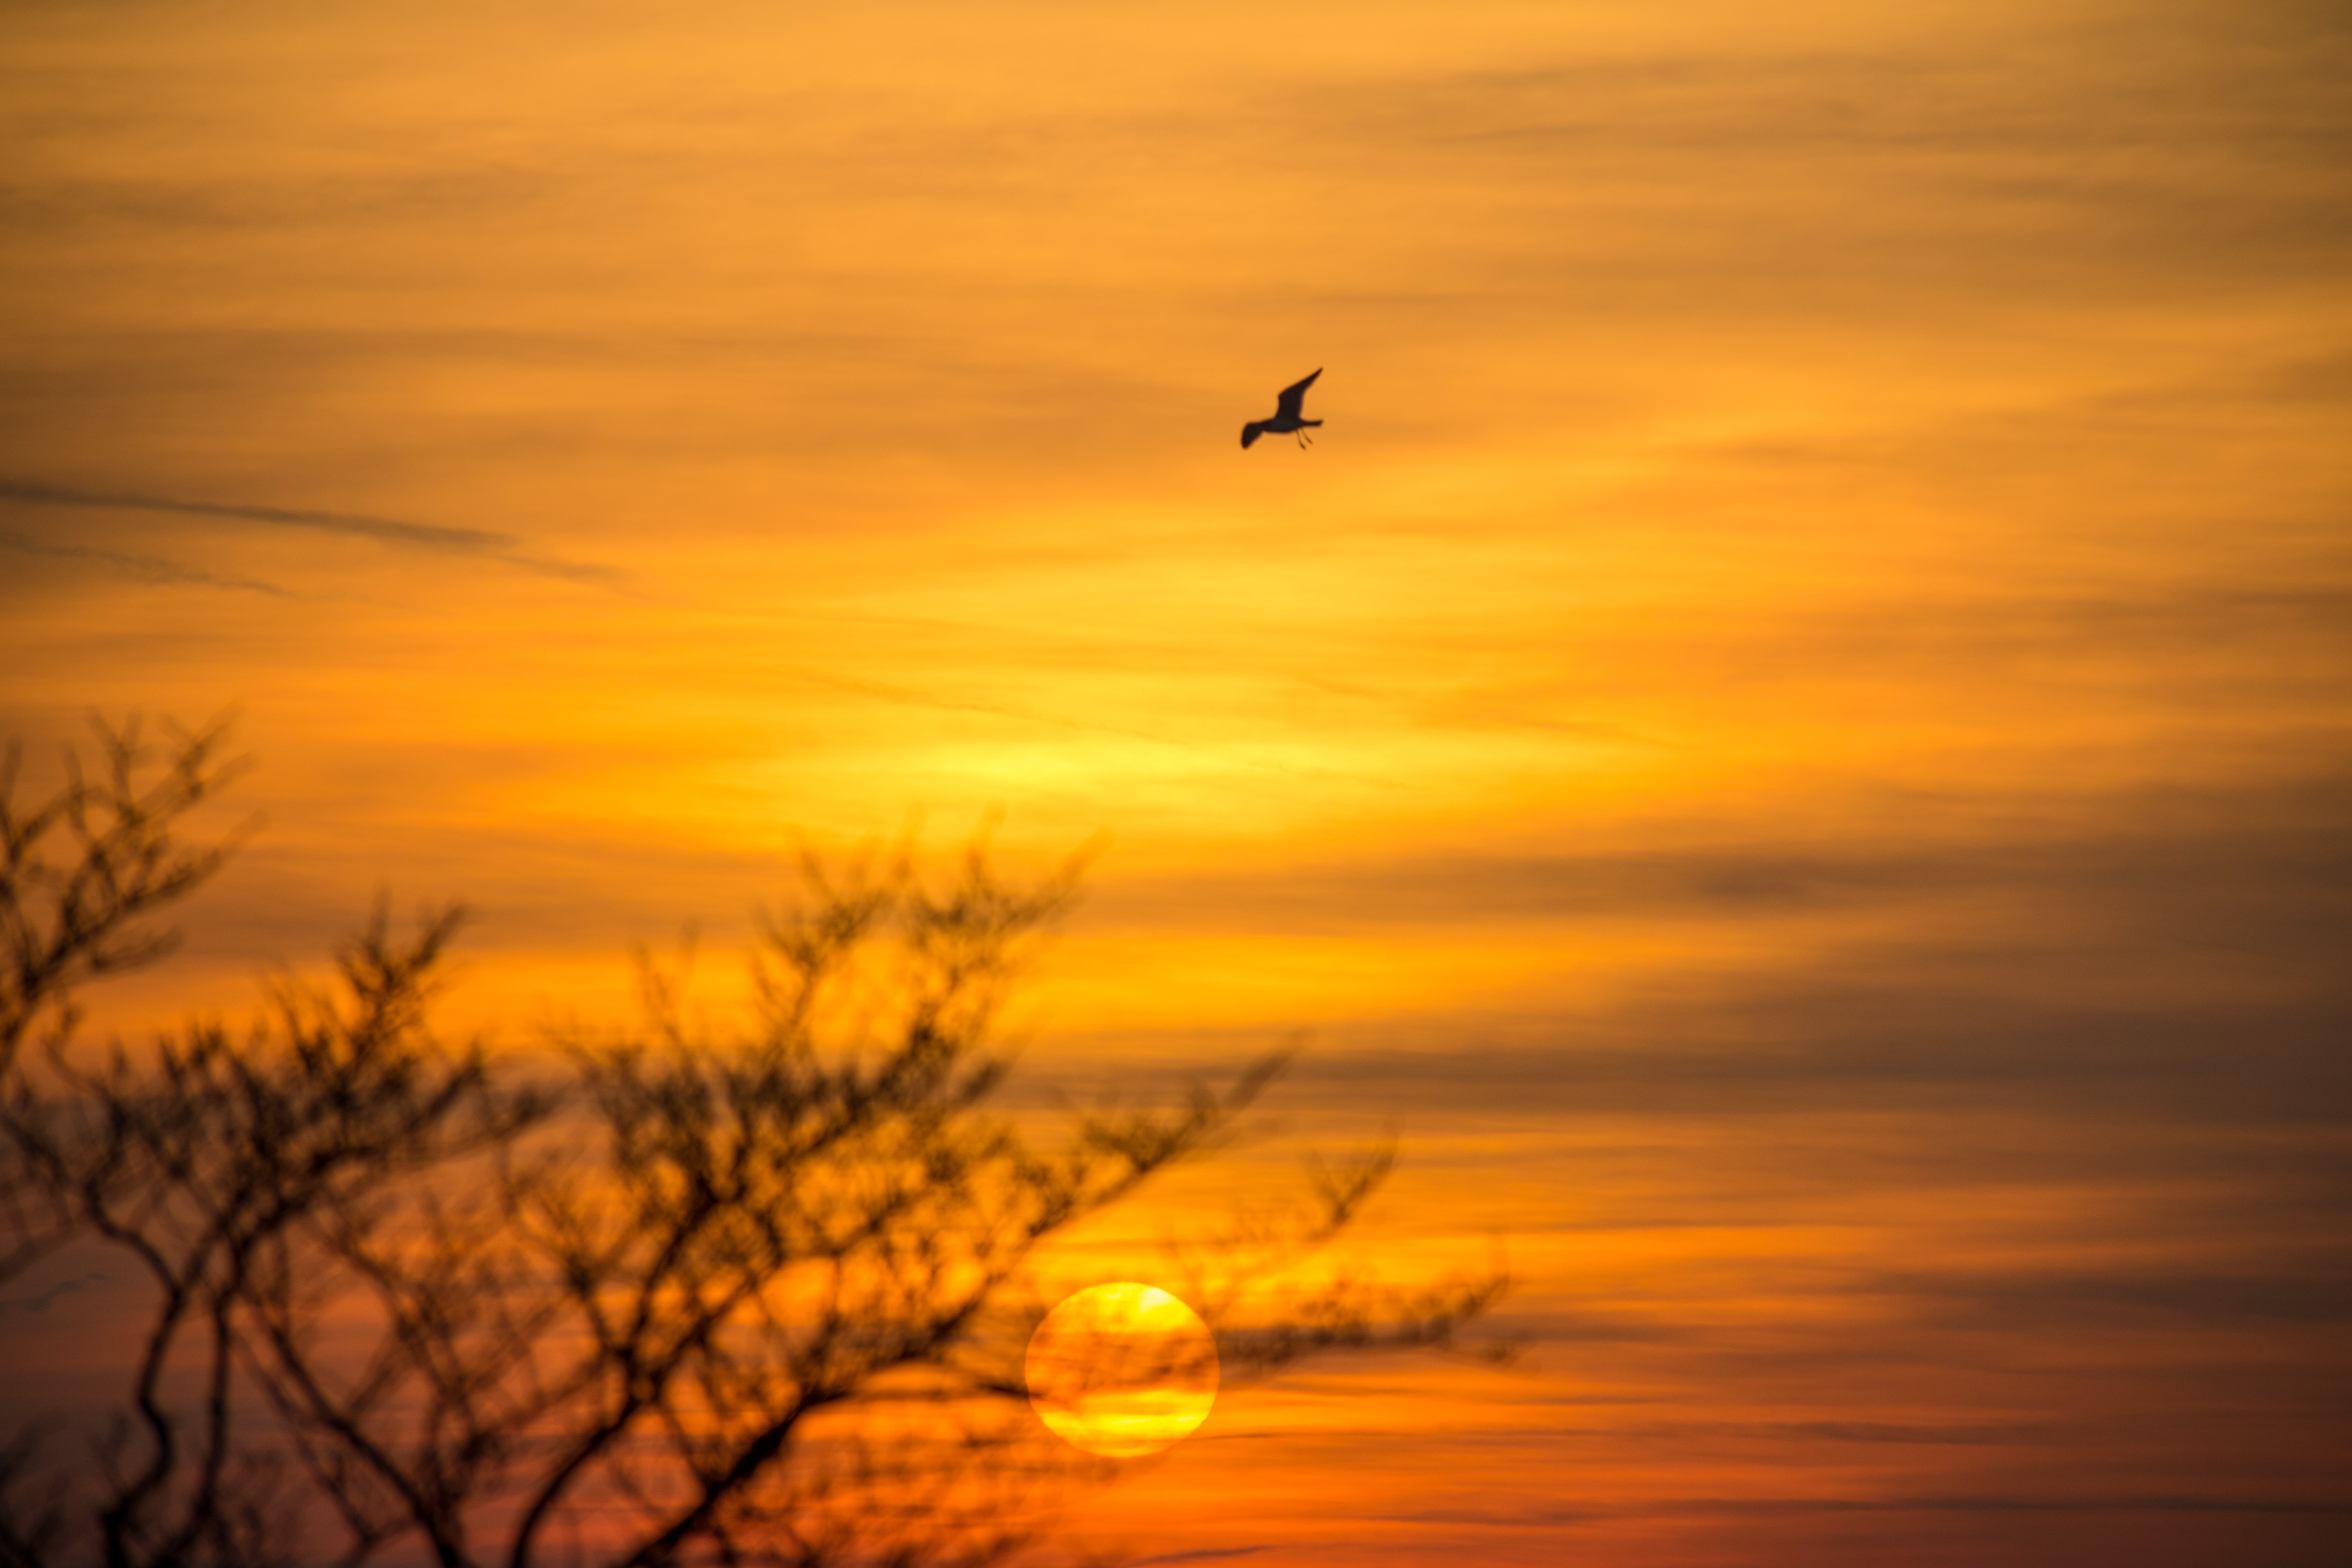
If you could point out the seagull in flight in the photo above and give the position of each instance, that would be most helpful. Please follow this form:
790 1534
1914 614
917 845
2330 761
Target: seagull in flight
1286 420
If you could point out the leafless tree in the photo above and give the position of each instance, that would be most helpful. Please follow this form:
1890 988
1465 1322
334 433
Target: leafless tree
693 1293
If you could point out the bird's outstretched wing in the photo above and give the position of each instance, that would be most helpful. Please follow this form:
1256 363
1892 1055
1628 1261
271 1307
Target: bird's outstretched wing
1293 397
1251 432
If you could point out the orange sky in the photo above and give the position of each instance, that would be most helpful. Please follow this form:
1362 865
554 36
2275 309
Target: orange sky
1792 730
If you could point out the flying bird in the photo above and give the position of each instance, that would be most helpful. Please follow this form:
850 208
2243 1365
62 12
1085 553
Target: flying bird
1286 420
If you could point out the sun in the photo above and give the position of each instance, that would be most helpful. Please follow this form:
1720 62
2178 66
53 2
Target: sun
1122 1370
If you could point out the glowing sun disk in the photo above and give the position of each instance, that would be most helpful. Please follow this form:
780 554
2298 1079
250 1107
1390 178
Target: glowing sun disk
1122 1370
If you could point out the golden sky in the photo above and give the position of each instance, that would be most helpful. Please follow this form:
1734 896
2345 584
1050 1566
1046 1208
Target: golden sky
1792 730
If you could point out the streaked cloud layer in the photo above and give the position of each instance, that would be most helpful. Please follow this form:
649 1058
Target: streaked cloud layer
1793 728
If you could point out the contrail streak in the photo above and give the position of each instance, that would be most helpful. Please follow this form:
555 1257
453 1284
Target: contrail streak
505 547
144 568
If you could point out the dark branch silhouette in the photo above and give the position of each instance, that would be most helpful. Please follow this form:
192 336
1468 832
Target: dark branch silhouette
684 1294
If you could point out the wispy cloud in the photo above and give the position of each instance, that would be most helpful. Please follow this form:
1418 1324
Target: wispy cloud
42 1301
142 568
1704 1508
506 549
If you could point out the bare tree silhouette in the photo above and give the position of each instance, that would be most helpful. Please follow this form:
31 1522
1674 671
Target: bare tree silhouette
688 1294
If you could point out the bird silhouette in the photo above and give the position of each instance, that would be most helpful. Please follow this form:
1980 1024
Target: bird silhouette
1287 420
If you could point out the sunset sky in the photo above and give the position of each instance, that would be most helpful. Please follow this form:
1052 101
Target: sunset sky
1792 735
